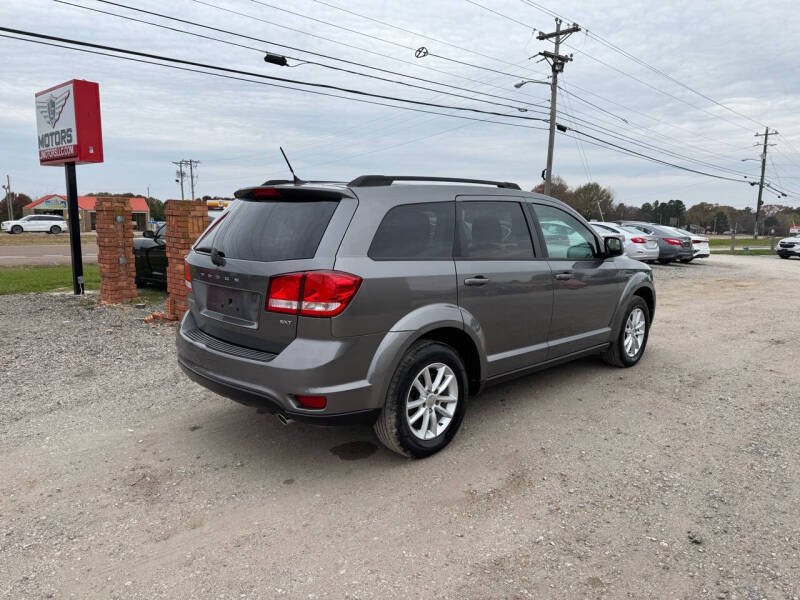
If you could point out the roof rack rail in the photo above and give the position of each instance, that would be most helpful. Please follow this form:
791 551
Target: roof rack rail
379 180
285 181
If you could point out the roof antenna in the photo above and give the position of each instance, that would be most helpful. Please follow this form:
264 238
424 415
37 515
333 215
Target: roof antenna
297 180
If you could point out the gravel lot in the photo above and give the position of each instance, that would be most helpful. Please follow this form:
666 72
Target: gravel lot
679 478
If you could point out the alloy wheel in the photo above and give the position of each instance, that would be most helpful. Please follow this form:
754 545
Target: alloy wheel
432 400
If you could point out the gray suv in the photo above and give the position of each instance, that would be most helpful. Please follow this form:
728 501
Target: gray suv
391 303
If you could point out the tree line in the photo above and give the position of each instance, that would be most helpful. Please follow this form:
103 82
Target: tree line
594 202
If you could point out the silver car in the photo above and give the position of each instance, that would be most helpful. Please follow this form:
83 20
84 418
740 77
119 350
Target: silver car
391 304
639 245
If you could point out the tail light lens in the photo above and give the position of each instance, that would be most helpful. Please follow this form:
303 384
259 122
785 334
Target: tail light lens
698 241
638 240
187 275
673 242
284 293
313 293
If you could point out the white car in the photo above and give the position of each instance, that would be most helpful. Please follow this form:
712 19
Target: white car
789 247
638 245
45 223
700 245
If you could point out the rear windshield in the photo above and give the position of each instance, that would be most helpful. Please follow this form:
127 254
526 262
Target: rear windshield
267 231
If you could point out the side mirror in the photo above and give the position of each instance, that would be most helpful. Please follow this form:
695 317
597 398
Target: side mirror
613 247
148 234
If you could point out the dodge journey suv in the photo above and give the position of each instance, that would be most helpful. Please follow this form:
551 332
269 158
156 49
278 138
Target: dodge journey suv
391 303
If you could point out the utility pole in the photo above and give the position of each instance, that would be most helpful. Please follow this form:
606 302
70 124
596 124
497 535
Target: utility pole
192 164
180 175
766 135
9 198
557 63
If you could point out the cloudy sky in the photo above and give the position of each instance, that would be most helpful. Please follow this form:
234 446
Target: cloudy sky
742 54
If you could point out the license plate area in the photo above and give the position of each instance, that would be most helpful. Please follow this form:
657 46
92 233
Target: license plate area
239 307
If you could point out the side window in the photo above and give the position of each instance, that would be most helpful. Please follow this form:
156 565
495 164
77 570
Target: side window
493 231
564 235
415 232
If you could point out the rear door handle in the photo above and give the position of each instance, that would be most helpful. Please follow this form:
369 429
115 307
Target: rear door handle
477 280
563 276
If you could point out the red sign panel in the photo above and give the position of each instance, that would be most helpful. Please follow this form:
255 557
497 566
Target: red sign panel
68 123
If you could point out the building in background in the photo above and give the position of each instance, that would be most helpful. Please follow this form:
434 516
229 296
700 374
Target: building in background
53 204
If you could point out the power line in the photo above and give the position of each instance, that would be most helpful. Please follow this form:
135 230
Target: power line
641 62
296 49
304 61
379 39
269 77
238 78
235 74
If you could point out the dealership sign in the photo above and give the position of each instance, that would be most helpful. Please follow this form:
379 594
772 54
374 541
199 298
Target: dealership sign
68 123
794 229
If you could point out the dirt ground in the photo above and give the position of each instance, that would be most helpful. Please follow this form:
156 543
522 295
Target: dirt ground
678 478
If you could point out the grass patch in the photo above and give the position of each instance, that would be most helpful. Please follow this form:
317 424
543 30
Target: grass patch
740 241
23 280
740 252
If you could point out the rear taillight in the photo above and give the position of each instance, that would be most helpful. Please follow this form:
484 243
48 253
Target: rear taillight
313 293
187 275
698 241
639 240
673 242
284 293
312 401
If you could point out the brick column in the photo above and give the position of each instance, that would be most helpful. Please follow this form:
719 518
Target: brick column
115 250
186 220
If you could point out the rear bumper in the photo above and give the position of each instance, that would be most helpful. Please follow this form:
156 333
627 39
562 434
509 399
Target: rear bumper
637 252
337 368
270 405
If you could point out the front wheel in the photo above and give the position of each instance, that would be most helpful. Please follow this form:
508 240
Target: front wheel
16 229
425 402
664 261
783 255
686 261
55 229
629 345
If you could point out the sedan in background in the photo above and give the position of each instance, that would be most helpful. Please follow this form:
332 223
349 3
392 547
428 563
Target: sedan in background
700 245
789 247
638 245
671 245
43 223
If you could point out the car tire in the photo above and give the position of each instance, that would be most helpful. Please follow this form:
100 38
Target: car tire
55 229
783 255
636 311
686 261
664 261
16 229
399 427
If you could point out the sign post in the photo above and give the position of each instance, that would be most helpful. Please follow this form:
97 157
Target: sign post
69 133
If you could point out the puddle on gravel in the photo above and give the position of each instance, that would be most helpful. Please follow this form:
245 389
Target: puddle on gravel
354 450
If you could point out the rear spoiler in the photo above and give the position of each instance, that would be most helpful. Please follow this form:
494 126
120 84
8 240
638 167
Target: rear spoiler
301 193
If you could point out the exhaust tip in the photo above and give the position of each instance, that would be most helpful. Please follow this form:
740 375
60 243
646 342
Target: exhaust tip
283 419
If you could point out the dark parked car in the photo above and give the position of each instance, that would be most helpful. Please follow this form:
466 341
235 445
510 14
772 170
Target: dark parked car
672 245
392 304
150 255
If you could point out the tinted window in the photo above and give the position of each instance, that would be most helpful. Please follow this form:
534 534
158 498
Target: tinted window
493 231
267 231
564 235
415 231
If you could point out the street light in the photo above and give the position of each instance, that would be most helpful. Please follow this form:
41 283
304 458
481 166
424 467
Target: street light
519 84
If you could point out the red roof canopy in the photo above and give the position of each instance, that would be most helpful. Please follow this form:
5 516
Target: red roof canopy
138 204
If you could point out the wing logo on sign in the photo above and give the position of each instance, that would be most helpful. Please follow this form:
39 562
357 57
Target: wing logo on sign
52 108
